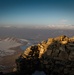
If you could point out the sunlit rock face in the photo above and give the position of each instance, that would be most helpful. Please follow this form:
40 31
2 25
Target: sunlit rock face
54 57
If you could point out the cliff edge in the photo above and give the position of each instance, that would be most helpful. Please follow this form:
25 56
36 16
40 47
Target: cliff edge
54 57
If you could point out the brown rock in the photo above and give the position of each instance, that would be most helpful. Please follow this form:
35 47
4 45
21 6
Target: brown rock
55 53
62 48
71 56
49 52
64 42
63 55
54 56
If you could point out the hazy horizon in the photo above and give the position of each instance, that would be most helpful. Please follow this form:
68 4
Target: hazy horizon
34 33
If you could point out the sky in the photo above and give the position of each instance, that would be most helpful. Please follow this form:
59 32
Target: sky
36 12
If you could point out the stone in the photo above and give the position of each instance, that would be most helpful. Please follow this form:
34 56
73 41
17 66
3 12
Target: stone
49 52
62 48
14 70
63 55
64 42
71 56
55 53
54 56
70 46
45 62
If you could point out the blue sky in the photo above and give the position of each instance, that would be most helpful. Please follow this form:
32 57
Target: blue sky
36 12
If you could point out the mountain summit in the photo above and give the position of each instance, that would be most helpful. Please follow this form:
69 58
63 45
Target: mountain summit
54 56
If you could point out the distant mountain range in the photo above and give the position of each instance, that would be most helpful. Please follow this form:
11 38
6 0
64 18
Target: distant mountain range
55 27
59 26
10 42
13 39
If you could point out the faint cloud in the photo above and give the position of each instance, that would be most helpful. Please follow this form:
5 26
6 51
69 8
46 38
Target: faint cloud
63 21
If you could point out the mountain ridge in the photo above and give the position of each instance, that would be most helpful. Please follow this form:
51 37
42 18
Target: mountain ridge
54 56
51 26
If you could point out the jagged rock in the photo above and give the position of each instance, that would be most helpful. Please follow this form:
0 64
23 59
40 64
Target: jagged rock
54 56
71 56
63 55
49 52
70 46
55 53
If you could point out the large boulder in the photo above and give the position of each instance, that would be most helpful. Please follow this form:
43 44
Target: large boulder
54 56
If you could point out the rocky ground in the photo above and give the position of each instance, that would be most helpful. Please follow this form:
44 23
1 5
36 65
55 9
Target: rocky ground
54 57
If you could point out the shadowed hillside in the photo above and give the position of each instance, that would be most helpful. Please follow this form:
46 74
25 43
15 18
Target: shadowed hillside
54 56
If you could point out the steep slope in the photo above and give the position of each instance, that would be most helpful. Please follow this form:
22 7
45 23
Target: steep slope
54 56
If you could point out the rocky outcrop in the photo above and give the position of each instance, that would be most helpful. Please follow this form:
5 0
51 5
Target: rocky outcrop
54 56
